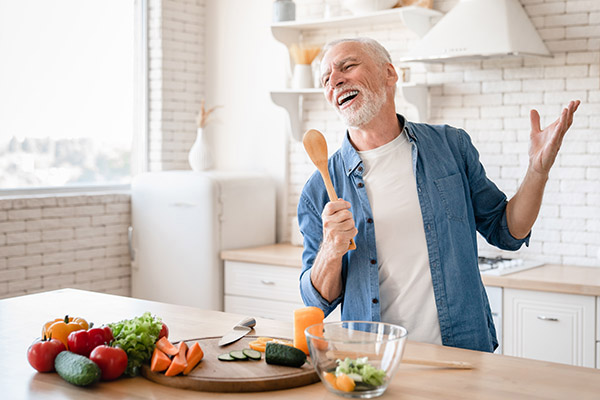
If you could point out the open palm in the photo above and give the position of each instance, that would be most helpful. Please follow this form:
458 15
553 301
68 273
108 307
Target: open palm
544 144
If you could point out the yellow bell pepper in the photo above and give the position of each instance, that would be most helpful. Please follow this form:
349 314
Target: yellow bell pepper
61 327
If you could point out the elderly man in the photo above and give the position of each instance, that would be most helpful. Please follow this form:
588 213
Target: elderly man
413 196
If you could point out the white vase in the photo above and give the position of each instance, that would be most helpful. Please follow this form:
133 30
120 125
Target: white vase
199 157
302 77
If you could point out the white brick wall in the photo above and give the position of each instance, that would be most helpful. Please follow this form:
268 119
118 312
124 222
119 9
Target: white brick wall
176 87
52 242
491 99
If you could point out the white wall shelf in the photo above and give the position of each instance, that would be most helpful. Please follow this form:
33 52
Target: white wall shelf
293 101
418 19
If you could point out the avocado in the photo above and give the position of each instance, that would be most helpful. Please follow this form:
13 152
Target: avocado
281 354
76 369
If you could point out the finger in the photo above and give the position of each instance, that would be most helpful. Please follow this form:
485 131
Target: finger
534 117
336 205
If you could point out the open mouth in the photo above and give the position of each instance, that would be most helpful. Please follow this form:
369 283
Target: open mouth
346 97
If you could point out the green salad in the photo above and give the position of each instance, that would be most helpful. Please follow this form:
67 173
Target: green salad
137 337
361 371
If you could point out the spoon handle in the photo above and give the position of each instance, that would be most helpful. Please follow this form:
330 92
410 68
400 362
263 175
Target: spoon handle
331 192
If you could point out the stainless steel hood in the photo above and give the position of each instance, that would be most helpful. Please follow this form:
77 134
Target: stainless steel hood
477 29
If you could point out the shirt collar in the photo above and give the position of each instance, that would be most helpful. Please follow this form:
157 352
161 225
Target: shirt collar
350 157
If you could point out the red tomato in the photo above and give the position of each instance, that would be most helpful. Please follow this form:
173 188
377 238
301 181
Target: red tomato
111 360
42 353
83 342
164 331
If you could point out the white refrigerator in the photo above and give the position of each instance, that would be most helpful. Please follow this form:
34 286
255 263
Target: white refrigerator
182 220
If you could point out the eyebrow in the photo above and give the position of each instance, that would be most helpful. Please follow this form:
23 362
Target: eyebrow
339 64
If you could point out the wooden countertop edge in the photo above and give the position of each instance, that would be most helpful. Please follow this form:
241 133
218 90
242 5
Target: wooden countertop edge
509 282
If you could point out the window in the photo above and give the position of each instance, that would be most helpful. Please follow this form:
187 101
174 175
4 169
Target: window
67 92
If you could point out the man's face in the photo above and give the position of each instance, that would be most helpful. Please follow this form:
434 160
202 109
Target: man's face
354 84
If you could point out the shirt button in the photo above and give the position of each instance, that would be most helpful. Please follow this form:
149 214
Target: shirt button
360 184
419 189
375 301
373 261
360 169
369 220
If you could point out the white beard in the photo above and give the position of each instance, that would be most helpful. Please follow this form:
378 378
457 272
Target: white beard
361 114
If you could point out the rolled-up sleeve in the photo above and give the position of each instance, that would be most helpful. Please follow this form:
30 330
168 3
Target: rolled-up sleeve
311 227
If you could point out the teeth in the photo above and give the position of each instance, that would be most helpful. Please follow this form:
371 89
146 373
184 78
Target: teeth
346 95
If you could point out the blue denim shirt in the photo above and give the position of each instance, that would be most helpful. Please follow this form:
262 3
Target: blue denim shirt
456 199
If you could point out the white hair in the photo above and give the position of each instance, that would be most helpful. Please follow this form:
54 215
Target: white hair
373 47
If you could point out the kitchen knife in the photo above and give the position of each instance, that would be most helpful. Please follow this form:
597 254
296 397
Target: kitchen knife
239 330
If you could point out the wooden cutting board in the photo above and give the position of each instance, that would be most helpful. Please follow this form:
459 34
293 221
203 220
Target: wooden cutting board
212 375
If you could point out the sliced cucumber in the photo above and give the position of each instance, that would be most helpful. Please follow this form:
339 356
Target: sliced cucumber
225 357
252 354
238 355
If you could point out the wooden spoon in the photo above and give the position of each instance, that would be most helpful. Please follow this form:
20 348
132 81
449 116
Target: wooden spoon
439 363
316 146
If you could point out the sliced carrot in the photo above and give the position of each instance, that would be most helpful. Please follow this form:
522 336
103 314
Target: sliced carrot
193 356
303 318
160 361
264 339
344 383
178 364
258 346
167 347
330 378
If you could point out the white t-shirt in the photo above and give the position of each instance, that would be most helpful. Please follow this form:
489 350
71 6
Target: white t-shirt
406 290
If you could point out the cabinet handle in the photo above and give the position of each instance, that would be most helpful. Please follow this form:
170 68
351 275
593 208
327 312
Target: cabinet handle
266 282
544 318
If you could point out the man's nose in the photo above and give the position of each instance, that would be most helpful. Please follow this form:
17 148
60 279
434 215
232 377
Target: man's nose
336 79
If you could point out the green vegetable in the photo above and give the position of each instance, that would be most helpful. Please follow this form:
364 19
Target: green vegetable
76 369
225 357
137 337
238 355
252 354
281 354
361 371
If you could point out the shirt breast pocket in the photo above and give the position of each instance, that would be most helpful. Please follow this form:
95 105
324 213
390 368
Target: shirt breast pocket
452 195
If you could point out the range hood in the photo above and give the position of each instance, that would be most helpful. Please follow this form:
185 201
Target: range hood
477 29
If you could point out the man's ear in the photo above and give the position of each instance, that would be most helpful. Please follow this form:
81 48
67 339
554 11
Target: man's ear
391 75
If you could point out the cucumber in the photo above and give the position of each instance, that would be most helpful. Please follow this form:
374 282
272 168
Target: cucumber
281 354
225 357
252 354
76 369
238 355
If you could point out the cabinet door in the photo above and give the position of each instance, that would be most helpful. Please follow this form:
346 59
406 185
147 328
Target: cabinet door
263 281
550 326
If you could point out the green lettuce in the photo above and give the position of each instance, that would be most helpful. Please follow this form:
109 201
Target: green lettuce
361 371
137 337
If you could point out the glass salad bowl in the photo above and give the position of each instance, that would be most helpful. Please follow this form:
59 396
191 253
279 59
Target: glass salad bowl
356 359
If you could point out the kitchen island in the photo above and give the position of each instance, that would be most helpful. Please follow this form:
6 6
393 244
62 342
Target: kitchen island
494 376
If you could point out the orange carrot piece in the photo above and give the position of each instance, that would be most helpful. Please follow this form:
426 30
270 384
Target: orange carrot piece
258 346
303 318
167 347
160 361
179 363
194 355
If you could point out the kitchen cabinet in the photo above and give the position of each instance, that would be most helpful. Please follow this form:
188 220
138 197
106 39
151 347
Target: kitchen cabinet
264 290
548 326
418 19
597 332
